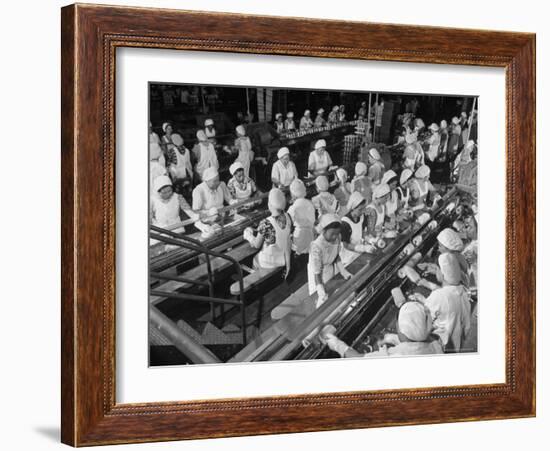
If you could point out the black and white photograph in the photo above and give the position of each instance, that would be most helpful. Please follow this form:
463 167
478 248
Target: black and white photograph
294 224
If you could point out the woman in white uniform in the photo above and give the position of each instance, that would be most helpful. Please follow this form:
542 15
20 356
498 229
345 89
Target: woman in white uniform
205 154
283 171
392 204
210 131
244 147
324 257
319 120
302 213
414 337
167 137
319 159
166 205
273 235
279 123
343 192
324 202
179 163
376 167
289 122
240 186
361 182
421 187
210 195
306 122
375 212
352 230
433 142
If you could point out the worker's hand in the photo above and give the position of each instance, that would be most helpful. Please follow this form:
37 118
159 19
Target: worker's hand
345 273
248 234
365 248
337 345
322 295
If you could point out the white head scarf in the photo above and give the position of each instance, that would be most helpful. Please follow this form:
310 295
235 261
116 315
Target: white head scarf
276 200
298 189
320 143
354 200
360 168
161 181
209 174
235 167
240 130
414 321
381 190
282 152
201 136
450 239
321 182
165 126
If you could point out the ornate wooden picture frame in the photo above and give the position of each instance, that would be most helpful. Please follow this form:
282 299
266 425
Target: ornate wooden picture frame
90 37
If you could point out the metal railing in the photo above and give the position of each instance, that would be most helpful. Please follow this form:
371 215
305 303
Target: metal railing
178 239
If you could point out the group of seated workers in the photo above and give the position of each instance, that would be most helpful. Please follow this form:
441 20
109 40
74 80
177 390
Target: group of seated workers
332 228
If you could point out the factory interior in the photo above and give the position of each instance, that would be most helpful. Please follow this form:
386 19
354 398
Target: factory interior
294 224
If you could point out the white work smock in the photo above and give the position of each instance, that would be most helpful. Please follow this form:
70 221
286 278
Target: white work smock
204 198
246 155
450 310
325 202
318 162
322 259
346 255
302 213
165 212
206 156
284 175
277 254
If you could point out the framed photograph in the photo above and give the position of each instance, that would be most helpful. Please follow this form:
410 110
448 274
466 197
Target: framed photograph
269 231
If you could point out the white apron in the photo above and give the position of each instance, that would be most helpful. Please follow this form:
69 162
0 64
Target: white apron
241 194
207 158
423 194
346 255
285 174
404 198
329 269
302 213
277 254
392 204
319 163
166 213
182 169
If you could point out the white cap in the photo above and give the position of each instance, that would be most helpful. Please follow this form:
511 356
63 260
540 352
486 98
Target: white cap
201 136
165 126
240 130
342 174
443 124
450 239
422 171
282 152
290 114
208 122
374 153
455 120
381 190
320 111
298 189
360 168
406 174
388 175
276 199
161 181
320 143
321 182
355 200
414 321
306 112
235 167
434 127
278 115
328 219
209 174
177 139
335 108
